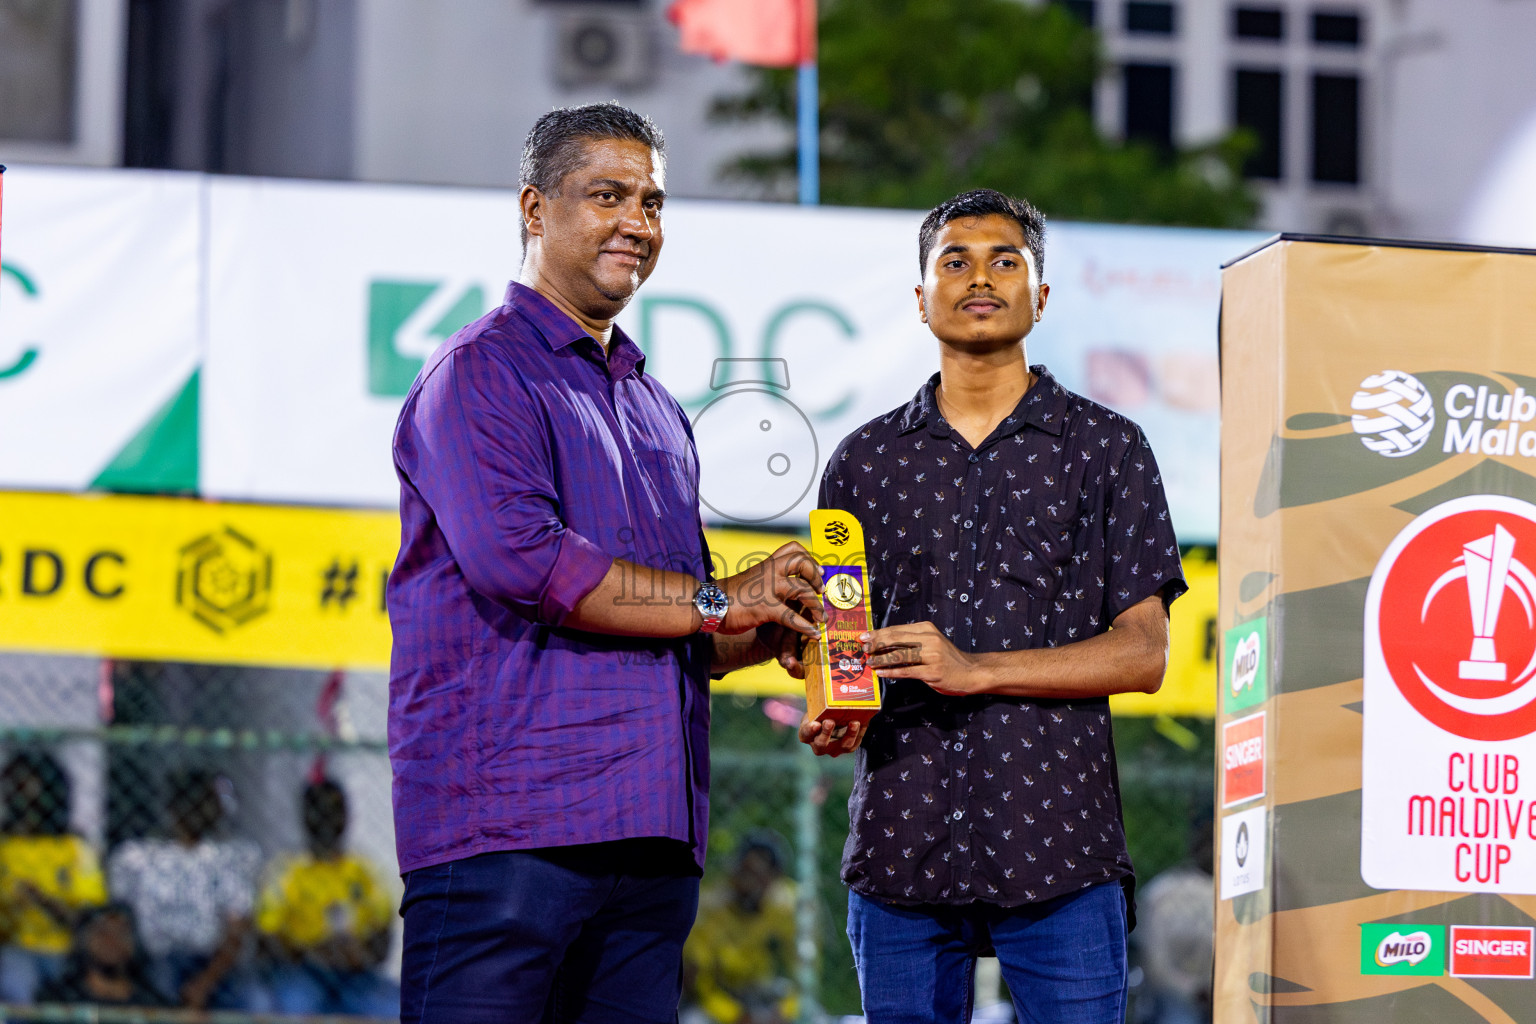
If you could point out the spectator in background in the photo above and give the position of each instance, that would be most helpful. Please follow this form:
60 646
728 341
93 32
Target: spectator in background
1175 943
324 918
741 954
107 966
47 875
192 895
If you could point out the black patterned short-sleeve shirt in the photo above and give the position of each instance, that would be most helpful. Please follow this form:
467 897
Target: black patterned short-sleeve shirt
1038 537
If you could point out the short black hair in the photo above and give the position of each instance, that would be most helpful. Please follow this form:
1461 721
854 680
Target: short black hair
982 202
553 147
323 797
44 813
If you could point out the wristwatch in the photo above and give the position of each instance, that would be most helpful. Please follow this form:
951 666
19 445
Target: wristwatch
712 605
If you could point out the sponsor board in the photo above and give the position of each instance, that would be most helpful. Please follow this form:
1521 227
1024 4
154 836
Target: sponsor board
1244 844
100 310
306 369
1242 756
291 317
188 580
1246 665
1448 757
1491 952
1416 949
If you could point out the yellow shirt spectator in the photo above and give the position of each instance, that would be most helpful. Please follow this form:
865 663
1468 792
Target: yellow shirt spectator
740 961
62 870
310 901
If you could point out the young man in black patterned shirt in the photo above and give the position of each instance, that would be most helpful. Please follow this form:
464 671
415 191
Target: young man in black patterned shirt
1010 524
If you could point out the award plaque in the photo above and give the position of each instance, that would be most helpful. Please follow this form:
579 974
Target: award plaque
839 683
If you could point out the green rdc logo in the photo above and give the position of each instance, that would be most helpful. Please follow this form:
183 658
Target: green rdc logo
23 360
406 321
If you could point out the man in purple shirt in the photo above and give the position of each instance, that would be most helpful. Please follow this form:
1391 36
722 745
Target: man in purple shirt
555 622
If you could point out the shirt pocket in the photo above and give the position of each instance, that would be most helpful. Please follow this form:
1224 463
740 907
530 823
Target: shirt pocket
1037 552
670 480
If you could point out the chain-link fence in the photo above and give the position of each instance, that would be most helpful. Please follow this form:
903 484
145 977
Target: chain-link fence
209 836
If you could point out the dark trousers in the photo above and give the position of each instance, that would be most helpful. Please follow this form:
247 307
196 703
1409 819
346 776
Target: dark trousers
582 933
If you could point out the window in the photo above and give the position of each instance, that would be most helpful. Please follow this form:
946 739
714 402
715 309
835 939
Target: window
1258 98
1258 23
1336 129
1153 19
1149 103
38 72
1082 10
1336 29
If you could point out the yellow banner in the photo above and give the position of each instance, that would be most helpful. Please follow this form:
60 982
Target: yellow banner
179 579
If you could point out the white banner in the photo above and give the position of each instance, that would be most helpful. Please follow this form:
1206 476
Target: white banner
310 307
326 298
99 304
323 301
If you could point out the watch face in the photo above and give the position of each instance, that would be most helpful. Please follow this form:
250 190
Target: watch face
711 602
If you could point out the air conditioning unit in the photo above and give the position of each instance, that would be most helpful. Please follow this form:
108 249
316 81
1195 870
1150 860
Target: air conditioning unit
604 47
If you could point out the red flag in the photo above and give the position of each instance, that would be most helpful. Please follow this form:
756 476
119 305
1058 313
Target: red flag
768 33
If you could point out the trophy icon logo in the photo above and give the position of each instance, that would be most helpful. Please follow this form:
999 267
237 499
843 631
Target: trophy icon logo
844 591
1486 564
1455 612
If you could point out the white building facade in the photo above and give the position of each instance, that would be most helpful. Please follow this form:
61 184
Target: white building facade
1376 117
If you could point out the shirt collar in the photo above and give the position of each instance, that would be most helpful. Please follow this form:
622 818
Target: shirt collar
1044 406
559 331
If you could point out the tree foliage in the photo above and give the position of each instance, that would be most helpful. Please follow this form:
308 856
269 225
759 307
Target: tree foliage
921 99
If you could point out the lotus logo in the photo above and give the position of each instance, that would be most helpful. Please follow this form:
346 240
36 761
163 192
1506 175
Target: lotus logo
1411 949
1393 413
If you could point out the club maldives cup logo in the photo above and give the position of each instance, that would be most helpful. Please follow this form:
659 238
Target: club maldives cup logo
1450 702
1393 413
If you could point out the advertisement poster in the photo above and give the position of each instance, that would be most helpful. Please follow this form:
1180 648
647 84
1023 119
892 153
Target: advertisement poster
1378 610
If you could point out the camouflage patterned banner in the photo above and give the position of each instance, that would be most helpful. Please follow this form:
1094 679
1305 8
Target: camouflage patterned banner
1376 817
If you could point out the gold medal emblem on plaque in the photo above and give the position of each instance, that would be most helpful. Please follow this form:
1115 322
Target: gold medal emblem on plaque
844 591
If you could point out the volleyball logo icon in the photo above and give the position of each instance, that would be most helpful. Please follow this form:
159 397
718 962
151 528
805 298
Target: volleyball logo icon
1393 413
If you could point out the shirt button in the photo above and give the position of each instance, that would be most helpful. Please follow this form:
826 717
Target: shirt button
974 458
959 746
965 598
968 524
958 815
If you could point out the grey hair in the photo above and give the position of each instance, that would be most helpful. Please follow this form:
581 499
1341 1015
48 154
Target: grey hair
554 145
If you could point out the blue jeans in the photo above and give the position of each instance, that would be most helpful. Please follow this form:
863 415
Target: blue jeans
591 933
237 990
23 971
307 989
1063 960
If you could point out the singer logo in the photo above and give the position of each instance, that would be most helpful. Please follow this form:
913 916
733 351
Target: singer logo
1242 760
1491 952
1455 605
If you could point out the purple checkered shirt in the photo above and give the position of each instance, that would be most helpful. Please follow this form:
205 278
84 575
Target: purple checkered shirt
528 462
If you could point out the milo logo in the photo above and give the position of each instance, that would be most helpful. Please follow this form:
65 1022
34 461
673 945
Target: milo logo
1245 664
1402 949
